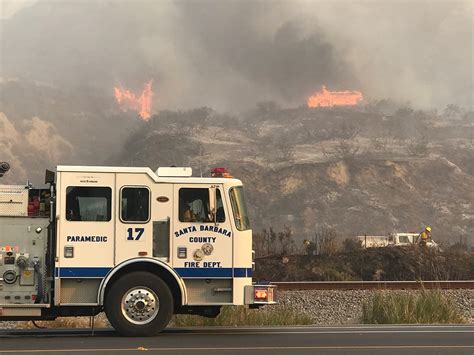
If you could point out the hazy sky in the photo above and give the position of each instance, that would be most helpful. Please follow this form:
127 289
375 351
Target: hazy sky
228 54
9 7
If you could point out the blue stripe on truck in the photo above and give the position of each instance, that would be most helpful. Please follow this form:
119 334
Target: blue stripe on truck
214 272
100 272
242 272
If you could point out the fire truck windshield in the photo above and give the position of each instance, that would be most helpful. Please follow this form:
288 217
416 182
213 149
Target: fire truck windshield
239 208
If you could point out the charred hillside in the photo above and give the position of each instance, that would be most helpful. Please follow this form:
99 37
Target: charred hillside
373 170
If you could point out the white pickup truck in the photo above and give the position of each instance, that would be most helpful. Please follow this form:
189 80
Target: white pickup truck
393 239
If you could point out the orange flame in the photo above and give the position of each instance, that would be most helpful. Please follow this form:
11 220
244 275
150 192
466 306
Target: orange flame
130 101
326 98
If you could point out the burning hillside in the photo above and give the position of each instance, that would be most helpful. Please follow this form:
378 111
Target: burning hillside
130 101
348 169
326 98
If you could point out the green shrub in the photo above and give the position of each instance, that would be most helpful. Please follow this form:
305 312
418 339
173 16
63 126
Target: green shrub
424 306
242 316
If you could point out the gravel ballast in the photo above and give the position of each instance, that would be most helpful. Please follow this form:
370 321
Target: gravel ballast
336 307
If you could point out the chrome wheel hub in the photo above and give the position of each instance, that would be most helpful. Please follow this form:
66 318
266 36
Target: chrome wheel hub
140 305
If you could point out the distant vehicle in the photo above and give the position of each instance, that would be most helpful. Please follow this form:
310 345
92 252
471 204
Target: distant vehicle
403 239
140 245
393 239
373 241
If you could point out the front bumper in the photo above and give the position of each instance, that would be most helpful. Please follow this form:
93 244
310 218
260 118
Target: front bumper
258 294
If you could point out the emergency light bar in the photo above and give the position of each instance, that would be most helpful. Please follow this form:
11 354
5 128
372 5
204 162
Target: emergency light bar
220 172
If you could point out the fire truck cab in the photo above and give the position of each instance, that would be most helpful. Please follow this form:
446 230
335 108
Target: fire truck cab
138 244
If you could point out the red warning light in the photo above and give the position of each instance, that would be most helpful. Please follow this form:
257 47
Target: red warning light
220 172
261 294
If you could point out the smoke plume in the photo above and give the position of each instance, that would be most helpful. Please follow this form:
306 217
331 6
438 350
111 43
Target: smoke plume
231 54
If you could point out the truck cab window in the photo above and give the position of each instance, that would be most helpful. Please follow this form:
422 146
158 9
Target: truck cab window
88 203
194 205
135 204
239 208
220 213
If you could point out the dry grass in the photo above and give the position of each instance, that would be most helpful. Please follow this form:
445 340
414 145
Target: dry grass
424 306
67 322
242 316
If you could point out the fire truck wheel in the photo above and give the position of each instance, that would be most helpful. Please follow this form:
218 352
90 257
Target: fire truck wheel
139 304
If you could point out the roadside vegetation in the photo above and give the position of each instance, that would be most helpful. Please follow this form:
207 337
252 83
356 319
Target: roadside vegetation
422 307
330 258
66 322
231 316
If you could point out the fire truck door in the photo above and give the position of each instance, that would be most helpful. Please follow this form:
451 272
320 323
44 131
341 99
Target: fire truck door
143 219
86 225
201 232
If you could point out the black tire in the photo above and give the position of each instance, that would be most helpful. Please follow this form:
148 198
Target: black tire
122 303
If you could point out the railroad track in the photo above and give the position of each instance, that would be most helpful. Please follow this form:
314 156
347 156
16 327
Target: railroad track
373 285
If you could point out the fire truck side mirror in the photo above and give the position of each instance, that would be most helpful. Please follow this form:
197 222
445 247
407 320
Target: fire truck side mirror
212 204
4 167
49 177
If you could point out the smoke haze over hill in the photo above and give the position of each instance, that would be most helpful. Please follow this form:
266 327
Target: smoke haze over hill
230 55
